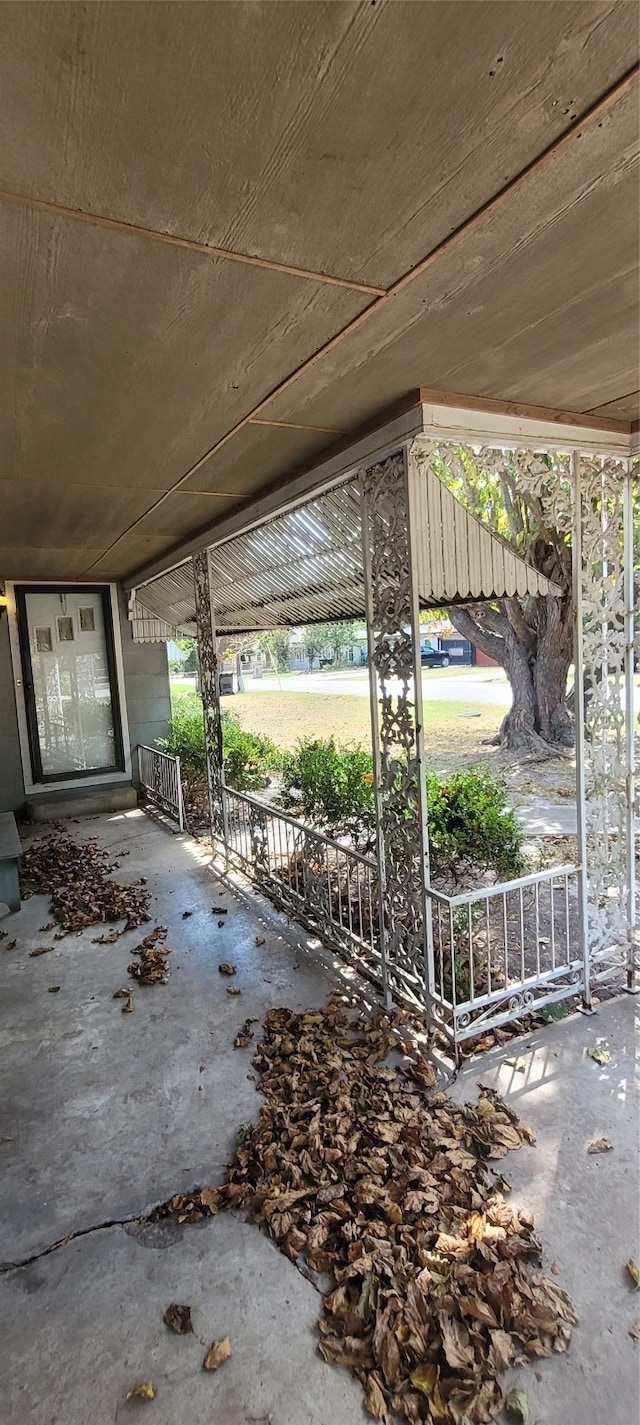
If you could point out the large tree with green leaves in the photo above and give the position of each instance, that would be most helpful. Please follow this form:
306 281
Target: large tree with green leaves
531 638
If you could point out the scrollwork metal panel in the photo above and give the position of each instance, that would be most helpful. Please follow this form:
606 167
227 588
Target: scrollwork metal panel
394 651
210 690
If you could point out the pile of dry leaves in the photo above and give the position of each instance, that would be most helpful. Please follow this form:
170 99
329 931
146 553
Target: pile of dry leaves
75 875
362 1171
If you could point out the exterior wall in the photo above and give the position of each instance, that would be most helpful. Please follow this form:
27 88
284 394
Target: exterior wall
146 680
11 783
484 661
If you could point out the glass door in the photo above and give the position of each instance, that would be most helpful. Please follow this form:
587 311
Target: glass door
66 639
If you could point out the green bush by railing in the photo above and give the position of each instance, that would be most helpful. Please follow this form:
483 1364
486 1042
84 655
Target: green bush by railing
471 829
248 757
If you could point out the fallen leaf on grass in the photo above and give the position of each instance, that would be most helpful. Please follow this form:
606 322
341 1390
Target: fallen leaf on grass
600 1056
600 1145
178 1319
54 989
226 969
260 940
634 1273
218 1353
41 950
143 1391
233 990
517 1406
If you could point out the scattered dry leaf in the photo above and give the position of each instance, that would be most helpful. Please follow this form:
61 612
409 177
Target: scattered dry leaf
226 969
54 989
601 1056
600 1145
178 1318
143 1391
260 940
233 990
41 950
128 1007
244 1035
634 1272
634 1330
218 1353
11 944
517 1406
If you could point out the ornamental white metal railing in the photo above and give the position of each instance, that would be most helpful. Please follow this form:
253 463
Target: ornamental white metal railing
499 953
505 951
329 887
161 781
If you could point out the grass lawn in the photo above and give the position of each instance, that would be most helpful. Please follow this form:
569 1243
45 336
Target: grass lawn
450 739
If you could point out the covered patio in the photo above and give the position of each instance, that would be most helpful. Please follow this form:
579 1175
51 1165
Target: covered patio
377 535
267 272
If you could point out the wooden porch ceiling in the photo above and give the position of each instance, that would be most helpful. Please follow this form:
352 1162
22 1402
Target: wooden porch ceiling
230 234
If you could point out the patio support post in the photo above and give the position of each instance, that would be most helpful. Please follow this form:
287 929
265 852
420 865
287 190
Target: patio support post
393 635
210 692
631 563
578 676
605 604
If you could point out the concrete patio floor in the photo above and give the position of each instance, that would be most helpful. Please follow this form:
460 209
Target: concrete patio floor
105 1115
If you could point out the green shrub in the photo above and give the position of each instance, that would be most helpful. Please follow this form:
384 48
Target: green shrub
470 829
248 757
471 832
331 786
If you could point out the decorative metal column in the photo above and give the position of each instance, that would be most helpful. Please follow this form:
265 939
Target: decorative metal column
210 692
393 635
606 612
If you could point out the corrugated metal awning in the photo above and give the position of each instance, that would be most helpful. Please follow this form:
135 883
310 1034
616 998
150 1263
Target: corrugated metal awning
305 566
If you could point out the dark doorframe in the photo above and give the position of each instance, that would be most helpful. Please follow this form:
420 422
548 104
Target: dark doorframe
103 590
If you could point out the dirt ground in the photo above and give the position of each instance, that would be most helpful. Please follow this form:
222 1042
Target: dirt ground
453 739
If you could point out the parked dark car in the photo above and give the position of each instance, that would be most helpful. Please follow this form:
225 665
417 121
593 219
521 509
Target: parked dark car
434 658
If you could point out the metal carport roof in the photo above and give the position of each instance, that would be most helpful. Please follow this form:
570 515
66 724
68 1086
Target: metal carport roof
305 566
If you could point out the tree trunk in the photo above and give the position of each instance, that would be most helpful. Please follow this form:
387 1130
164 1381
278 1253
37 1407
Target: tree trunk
536 662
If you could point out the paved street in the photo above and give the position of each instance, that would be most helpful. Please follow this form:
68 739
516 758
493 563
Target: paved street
443 685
